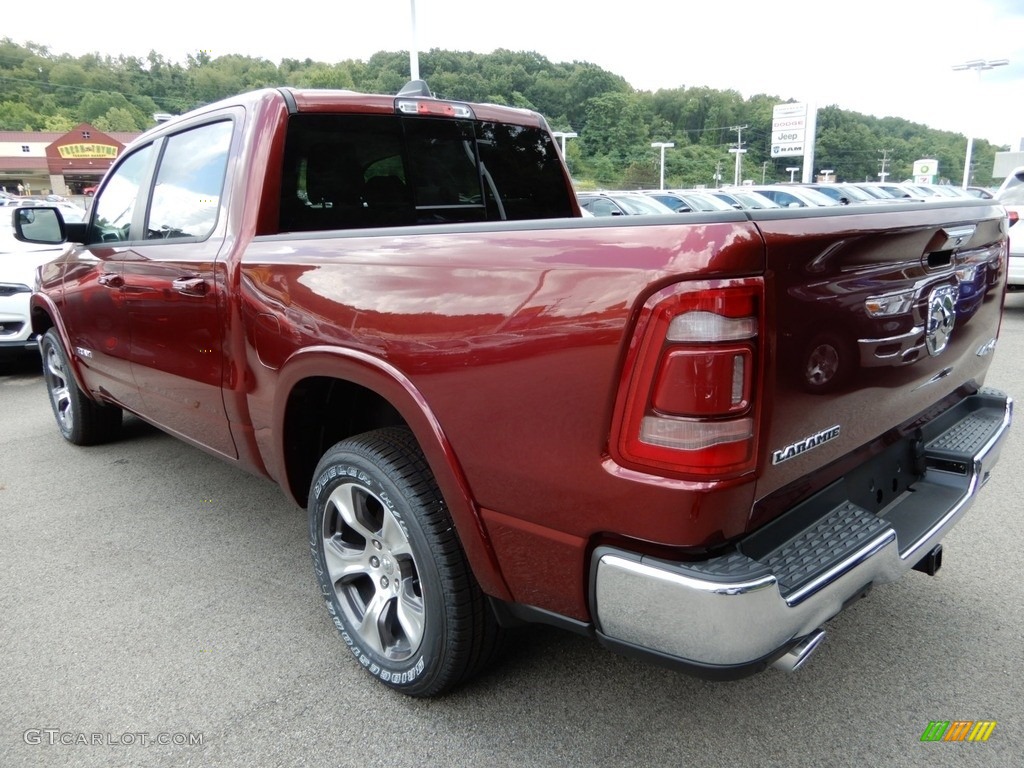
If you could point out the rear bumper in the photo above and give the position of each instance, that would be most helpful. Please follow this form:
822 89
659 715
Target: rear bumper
736 614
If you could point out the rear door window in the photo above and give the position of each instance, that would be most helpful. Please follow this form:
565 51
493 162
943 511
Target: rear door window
353 171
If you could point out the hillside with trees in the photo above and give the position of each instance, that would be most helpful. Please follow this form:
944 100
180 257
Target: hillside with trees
45 91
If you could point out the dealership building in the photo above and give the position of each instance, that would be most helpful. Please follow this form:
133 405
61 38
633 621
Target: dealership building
60 163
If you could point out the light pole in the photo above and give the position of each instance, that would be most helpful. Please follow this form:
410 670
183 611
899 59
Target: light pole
979 66
662 145
826 172
793 169
414 56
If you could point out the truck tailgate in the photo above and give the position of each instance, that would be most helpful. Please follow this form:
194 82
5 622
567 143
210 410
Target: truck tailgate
880 316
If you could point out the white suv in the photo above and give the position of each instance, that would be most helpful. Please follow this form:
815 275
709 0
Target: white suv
1011 195
18 262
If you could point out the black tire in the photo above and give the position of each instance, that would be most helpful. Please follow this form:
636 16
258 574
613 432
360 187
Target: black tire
827 364
391 569
81 420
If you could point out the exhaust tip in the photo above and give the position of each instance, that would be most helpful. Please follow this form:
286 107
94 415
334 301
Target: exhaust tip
795 658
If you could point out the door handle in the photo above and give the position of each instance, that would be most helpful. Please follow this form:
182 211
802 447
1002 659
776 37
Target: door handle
190 286
110 279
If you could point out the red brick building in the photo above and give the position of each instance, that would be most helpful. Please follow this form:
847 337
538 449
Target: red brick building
63 163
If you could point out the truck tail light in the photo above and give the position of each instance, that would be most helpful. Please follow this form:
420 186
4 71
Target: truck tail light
688 400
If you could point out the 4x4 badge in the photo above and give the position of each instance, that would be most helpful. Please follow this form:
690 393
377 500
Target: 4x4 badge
941 318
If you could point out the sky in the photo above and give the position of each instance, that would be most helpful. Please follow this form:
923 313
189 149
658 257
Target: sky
876 57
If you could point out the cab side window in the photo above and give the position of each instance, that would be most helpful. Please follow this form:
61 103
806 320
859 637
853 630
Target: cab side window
115 206
189 183
345 171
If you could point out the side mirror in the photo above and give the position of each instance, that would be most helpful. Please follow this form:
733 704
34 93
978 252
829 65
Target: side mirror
39 224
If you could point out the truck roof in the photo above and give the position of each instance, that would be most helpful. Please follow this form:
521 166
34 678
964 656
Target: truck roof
324 100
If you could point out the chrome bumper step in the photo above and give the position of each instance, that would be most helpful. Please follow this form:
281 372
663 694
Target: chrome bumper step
769 597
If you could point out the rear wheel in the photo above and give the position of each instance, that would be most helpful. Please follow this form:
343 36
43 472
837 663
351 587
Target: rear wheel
391 569
80 420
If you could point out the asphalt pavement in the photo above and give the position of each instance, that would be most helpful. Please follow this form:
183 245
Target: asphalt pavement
158 608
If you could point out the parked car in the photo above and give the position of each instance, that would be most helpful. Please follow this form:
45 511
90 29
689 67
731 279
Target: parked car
72 213
1011 195
845 194
741 198
688 201
898 190
18 262
938 190
984 194
873 189
7 199
621 204
793 196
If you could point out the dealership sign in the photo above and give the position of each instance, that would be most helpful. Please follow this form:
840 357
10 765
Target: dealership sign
790 130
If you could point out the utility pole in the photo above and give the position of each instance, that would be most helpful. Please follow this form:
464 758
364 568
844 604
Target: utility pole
718 175
764 167
740 151
882 162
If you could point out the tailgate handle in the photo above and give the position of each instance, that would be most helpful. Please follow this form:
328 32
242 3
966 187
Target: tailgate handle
190 286
955 237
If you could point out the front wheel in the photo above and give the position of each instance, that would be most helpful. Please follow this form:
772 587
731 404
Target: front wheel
81 421
391 569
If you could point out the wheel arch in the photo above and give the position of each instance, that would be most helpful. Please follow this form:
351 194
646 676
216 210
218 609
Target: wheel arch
357 393
44 315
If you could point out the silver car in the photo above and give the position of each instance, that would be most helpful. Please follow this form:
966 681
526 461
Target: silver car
794 196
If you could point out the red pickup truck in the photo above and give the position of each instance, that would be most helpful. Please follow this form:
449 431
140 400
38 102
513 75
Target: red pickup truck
694 438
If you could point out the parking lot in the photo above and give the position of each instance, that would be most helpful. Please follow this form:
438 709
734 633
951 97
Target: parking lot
159 609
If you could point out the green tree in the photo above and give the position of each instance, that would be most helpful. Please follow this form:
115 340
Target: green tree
117 119
16 116
58 123
615 122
